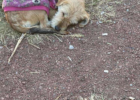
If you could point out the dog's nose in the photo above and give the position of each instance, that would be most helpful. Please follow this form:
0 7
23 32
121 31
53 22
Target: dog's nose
56 7
57 28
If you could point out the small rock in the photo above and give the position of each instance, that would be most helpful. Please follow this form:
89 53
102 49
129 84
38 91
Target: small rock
109 43
104 34
106 71
40 87
102 12
131 98
127 10
100 22
16 72
71 47
1 47
109 53
131 84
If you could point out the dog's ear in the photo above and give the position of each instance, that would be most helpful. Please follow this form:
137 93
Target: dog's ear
61 2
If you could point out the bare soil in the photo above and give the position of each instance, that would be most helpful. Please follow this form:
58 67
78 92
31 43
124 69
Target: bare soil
105 62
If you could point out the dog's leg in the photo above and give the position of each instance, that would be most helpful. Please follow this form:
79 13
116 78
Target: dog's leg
45 23
19 41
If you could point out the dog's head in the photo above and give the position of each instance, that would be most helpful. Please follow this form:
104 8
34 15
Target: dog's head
69 12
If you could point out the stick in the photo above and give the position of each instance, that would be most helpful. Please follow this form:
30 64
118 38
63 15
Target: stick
58 38
58 97
19 41
34 46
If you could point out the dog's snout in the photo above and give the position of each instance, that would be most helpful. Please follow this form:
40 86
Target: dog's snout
57 28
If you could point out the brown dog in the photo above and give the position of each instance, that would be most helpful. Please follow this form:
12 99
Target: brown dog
70 12
36 21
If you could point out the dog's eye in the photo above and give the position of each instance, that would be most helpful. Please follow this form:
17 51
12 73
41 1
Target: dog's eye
63 14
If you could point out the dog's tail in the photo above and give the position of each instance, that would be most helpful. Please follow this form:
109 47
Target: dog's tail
40 31
36 30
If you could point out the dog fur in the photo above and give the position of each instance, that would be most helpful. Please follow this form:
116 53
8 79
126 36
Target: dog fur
70 12
23 21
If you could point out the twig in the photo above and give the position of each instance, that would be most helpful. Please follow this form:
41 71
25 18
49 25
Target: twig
36 72
59 35
6 47
34 46
58 38
48 38
19 41
58 97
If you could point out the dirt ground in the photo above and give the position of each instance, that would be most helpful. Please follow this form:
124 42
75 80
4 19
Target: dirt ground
105 63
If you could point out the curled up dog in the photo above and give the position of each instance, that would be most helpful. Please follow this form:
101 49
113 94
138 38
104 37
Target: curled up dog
32 16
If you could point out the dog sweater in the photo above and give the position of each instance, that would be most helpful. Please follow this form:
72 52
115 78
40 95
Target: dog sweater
24 5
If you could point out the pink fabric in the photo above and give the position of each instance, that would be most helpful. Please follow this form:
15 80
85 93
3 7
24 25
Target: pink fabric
16 5
27 8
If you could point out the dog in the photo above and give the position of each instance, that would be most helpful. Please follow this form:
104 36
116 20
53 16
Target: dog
34 19
29 16
70 12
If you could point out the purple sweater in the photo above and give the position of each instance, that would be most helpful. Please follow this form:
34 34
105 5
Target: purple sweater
22 5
